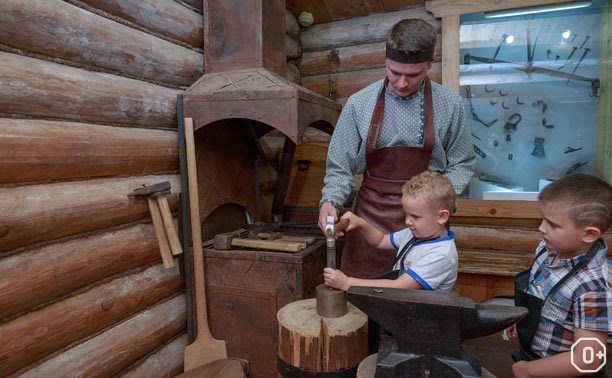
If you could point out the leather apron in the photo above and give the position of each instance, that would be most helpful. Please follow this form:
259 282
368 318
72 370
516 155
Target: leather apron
528 326
380 194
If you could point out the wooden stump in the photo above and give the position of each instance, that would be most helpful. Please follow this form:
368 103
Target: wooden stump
311 342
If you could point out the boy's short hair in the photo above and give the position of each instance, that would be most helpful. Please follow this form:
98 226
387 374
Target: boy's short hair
432 187
586 198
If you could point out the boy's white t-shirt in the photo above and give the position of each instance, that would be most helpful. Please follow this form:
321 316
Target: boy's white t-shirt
433 263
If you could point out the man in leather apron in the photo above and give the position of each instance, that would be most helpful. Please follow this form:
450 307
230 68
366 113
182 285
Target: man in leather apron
391 131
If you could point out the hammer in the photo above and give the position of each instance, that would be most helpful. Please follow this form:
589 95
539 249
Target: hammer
331 303
167 237
330 232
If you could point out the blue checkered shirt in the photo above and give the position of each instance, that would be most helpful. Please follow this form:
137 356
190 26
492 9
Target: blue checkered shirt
583 301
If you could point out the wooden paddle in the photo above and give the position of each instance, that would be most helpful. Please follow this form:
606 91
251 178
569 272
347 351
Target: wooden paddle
205 348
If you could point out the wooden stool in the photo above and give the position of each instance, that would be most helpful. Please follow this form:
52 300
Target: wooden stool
310 342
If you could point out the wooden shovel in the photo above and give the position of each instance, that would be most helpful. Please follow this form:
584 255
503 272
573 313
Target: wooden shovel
205 348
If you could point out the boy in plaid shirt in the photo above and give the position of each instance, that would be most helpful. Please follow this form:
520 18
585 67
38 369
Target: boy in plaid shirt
568 289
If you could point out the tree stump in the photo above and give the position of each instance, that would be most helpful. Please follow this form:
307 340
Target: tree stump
308 341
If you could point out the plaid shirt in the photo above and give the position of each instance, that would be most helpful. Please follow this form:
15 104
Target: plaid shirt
583 301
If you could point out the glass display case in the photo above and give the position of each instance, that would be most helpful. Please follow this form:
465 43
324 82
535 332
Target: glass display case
531 87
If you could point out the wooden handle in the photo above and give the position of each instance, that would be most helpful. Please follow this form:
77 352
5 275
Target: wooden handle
160 234
205 348
342 225
171 234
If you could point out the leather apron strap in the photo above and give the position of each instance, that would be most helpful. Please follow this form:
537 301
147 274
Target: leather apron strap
379 198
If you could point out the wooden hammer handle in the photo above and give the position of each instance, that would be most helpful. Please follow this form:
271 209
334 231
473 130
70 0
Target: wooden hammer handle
340 226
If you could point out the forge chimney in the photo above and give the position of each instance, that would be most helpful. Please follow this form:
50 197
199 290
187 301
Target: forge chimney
245 65
243 34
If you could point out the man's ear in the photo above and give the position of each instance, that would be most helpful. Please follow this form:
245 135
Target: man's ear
591 234
443 216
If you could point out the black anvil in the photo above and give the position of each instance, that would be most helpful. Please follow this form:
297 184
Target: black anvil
428 329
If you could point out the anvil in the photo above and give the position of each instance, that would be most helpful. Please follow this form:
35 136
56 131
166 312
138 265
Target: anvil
428 329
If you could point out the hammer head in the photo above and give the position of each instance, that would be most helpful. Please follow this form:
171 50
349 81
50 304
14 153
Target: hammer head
154 190
330 232
223 242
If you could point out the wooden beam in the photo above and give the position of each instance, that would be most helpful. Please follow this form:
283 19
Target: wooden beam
58 30
44 274
69 208
360 30
450 55
41 89
84 315
37 150
163 17
443 8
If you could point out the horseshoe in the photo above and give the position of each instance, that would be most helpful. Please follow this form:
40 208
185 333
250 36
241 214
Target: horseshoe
504 106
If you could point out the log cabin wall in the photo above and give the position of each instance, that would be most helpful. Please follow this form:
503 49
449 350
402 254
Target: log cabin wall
87 114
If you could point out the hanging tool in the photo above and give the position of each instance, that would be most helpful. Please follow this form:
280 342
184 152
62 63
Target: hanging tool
468 91
163 223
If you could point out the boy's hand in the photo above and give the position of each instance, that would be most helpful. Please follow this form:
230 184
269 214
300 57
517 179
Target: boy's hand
335 278
355 221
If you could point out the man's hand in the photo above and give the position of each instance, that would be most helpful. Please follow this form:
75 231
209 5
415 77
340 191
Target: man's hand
335 278
326 209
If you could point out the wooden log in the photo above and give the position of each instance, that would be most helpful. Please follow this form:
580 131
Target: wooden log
497 263
45 331
359 30
344 84
293 73
526 210
349 58
309 341
166 18
165 362
292 48
36 88
57 29
496 238
42 275
65 209
291 25
117 348
36 150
